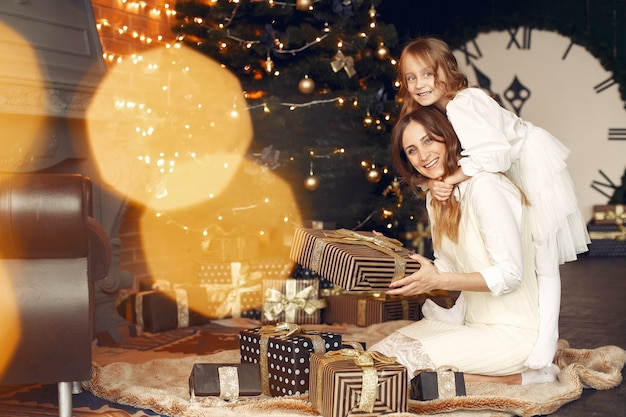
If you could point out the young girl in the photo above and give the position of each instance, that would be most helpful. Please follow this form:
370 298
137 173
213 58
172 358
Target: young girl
497 140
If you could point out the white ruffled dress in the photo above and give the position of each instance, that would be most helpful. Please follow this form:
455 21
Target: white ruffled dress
497 140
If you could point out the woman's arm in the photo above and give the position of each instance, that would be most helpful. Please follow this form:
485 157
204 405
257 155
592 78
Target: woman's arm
497 205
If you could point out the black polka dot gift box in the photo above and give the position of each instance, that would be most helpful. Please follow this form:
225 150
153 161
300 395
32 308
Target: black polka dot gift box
282 352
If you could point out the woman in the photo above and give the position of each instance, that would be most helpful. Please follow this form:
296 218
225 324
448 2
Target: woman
495 139
483 248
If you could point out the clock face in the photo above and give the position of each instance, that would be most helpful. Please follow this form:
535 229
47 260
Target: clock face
557 85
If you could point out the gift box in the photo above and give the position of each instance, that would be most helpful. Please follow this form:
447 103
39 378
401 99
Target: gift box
209 272
292 300
231 248
609 214
158 311
226 381
607 239
355 382
442 383
282 352
367 309
355 261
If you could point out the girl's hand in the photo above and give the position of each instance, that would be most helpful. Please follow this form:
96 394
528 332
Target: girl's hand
440 190
426 279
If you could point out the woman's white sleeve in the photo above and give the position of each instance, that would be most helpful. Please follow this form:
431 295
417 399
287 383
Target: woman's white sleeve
498 209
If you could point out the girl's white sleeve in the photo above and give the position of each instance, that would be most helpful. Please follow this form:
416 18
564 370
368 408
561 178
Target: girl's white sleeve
497 206
477 121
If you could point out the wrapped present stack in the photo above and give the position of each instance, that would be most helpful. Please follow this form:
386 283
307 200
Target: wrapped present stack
607 230
282 352
360 266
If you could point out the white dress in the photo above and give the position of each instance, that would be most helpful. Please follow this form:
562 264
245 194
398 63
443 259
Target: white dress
500 326
496 140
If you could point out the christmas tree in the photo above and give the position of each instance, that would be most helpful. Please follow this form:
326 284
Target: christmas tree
319 77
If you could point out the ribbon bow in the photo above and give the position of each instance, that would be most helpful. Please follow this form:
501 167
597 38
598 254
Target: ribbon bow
364 360
382 241
242 281
282 329
277 302
341 61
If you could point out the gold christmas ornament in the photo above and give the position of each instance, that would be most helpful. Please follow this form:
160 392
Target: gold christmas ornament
374 175
304 5
306 85
311 182
368 120
382 51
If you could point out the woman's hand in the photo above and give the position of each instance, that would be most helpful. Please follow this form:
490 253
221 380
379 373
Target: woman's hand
426 279
440 190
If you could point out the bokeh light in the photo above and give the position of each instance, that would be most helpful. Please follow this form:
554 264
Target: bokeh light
170 128
258 213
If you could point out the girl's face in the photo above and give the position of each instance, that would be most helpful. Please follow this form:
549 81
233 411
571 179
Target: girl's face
424 153
420 81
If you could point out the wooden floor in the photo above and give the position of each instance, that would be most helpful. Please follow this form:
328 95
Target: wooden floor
593 314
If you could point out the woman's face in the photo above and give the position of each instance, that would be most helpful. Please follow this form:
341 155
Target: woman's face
424 153
420 81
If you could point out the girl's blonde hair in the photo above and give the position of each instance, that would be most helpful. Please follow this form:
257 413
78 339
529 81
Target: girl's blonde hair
436 54
446 216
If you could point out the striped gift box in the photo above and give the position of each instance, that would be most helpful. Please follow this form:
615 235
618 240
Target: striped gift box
354 261
337 384
367 309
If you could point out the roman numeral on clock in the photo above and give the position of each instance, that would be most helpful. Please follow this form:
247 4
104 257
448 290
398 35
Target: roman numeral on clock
524 38
600 87
471 51
616 133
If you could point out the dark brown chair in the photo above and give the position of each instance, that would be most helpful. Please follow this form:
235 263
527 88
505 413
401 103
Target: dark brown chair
51 253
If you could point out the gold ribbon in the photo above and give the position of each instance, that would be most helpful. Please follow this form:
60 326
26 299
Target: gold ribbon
381 243
363 359
276 302
446 381
341 61
229 382
287 330
618 215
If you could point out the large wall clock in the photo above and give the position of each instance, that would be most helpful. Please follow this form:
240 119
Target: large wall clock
556 84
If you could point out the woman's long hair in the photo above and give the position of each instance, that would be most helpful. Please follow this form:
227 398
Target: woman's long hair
436 54
446 215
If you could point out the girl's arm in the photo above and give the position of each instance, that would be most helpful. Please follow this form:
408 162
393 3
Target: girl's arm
442 189
480 123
